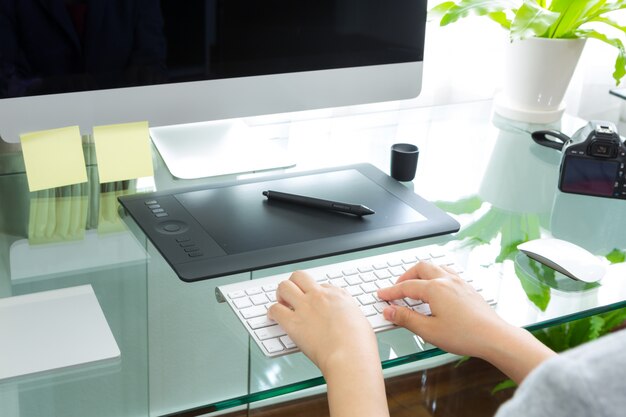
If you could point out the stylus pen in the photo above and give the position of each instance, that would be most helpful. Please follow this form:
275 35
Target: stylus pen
357 209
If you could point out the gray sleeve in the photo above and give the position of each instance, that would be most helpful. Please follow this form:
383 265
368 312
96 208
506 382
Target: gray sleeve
587 381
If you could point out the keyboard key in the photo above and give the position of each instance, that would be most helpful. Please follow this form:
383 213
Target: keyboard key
270 332
259 299
369 287
423 309
254 291
236 294
242 303
368 310
273 345
353 280
409 260
368 277
338 282
286 340
396 271
350 271
334 275
262 321
254 311
411 302
377 321
394 262
382 274
354 290
366 299
380 306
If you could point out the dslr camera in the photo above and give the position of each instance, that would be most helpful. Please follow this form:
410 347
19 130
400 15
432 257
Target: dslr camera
593 159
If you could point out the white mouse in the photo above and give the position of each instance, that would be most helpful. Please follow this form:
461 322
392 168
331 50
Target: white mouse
565 257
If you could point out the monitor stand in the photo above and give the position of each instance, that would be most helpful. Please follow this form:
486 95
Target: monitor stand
209 149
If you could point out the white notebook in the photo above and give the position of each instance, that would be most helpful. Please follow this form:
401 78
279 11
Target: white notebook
53 330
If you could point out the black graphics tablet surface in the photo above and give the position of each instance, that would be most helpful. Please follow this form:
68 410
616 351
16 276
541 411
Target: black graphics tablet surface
221 229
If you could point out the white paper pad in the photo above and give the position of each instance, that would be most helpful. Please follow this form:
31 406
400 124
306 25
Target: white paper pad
52 330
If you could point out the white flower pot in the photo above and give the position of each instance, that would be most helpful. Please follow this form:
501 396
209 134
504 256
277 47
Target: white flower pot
538 72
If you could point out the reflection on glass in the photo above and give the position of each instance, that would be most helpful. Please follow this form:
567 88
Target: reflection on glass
109 220
58 214
538 280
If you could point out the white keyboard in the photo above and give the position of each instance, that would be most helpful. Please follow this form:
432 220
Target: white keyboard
361 278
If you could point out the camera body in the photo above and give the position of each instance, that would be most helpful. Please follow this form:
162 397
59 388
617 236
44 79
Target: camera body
593 162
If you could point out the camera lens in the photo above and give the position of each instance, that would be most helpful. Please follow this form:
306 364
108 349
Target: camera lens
602 149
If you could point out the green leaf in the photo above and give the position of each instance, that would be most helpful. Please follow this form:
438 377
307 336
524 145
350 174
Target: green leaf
465 8
536 291
610 7
609 22
620 61
509 383
438 11
585 330
463 206
501 18
462 361
613 319
508 251
573 13
484 229
531 20
616 256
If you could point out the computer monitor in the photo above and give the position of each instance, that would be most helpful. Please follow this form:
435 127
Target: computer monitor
170 62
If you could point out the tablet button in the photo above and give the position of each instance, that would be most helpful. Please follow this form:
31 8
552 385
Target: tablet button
172 227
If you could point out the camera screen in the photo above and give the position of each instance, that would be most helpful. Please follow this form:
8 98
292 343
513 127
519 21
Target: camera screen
588 176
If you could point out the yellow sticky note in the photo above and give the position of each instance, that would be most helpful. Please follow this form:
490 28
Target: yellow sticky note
53 158
123 151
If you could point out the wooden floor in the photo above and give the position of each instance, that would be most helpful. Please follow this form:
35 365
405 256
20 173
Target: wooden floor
445 391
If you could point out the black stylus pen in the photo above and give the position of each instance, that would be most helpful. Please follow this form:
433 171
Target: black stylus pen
357 209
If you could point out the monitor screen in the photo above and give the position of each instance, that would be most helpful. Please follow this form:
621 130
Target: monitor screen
88 62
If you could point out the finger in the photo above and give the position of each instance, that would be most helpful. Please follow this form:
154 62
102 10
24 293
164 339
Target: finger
409 319
304 281
288 293
415 289
280 314
423 270
449 270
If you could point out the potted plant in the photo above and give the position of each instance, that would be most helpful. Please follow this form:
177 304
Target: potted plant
546 40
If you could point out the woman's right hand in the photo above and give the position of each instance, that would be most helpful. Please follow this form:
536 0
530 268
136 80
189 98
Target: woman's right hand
461 321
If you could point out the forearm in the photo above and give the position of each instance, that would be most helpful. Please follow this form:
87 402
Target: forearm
357 392
516 352
356 387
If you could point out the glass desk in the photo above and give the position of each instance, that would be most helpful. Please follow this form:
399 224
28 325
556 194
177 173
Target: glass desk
183 352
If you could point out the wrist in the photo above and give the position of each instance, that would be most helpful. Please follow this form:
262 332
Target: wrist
515 351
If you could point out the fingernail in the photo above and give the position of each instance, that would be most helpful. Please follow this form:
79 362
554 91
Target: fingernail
389 312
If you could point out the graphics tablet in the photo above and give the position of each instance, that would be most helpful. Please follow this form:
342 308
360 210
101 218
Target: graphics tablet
221 229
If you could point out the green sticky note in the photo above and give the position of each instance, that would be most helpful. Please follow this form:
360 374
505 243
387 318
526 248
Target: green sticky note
123 151
53 158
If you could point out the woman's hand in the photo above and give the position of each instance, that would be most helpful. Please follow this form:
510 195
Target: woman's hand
328 326
323 321
461 321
